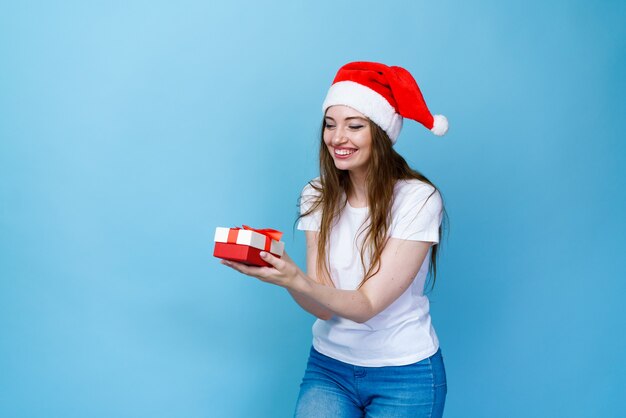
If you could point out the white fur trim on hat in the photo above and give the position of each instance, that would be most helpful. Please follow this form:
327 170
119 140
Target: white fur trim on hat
367 101
440 125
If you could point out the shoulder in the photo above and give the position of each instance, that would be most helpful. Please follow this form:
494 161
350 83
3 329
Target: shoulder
413 195
416 212
312 188
414 189
310 199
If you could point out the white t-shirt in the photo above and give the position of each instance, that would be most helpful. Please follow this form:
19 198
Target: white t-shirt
402 333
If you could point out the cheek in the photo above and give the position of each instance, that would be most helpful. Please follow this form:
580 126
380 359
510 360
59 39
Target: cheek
366 150
365 141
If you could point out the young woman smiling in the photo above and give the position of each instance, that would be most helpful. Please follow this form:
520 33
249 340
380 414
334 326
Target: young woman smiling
373 226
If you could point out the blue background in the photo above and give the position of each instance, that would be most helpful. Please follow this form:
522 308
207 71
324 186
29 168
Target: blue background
130 130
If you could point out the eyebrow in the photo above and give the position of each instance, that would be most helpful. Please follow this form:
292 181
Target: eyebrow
348 118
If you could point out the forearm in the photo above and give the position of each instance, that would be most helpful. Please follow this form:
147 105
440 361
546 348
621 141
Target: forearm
349 304
311 306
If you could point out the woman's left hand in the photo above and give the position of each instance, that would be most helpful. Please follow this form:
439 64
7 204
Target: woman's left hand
283 271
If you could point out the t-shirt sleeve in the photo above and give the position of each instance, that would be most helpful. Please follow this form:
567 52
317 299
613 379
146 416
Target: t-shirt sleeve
312 221
417 214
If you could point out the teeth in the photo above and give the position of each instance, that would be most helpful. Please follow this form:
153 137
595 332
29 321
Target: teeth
344 151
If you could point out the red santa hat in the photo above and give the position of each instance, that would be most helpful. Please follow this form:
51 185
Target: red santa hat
385 95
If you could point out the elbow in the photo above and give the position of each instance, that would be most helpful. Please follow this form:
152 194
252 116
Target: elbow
324 316
362 308
361 319
365 313
357 319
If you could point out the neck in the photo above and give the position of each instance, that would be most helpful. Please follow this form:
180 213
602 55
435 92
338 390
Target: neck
358 195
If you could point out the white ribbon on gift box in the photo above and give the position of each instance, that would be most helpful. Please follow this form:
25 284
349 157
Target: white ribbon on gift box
250 238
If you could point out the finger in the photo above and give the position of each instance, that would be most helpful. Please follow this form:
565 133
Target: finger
276 262
240 267
258 272
286 257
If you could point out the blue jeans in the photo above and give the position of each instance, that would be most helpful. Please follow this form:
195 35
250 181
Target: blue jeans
334 389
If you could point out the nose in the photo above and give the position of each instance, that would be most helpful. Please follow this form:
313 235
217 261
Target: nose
339 138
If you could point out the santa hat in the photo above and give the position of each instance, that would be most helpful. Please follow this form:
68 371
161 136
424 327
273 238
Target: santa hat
385 95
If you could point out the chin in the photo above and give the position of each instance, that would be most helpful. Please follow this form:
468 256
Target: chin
345 167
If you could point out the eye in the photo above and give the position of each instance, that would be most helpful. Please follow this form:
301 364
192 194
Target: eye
356 127
329 126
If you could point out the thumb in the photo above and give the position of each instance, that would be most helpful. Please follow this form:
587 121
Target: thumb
286 257
276 262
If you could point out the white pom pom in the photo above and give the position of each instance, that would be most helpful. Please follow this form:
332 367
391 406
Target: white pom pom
440 126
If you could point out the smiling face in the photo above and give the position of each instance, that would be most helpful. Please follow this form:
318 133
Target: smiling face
348 138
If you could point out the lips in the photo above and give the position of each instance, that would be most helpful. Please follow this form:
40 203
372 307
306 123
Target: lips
344 153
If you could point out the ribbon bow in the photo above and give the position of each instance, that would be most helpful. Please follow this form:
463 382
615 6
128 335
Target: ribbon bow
270 234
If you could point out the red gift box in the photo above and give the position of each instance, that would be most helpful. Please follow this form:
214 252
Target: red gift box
245 244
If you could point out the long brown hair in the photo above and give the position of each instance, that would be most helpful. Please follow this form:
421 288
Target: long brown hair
385 167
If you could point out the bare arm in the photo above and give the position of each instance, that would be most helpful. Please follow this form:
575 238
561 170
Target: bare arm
306 302
400 262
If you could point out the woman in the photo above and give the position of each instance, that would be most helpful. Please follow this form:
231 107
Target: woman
372 229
